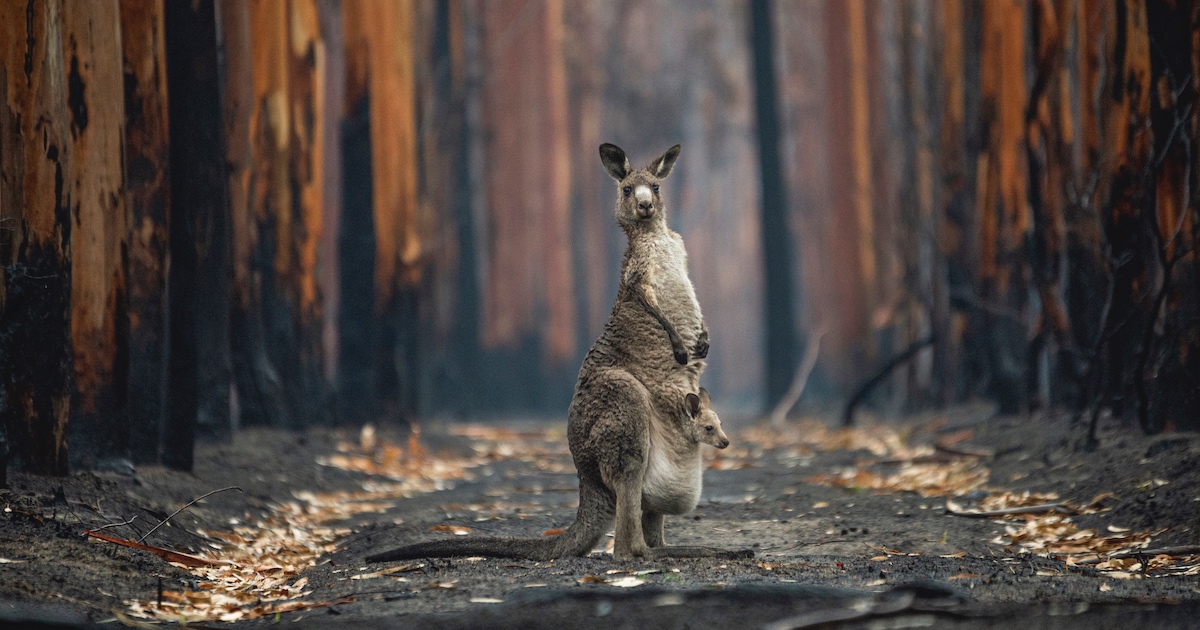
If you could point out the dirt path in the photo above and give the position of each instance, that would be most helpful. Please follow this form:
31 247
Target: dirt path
833 518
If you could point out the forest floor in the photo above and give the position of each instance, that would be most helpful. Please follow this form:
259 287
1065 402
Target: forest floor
848 527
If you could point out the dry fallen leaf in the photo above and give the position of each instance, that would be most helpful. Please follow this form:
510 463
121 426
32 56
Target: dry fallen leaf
486 600
961 554
553 532
1105 587
965 576
627 582
592 579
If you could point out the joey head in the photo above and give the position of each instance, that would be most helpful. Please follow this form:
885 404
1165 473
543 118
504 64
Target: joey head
705 423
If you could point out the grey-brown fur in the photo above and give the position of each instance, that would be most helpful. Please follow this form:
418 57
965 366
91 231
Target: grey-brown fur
634 442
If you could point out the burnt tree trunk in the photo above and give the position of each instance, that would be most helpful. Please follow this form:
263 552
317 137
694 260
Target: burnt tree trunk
35 234
199 302
779 257
146 178
260 399
99 242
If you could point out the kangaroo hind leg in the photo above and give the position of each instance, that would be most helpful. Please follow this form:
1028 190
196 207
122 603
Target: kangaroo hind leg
652 529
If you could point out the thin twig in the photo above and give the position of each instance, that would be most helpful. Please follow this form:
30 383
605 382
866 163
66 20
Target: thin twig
865 389
104 527
189 504
799 381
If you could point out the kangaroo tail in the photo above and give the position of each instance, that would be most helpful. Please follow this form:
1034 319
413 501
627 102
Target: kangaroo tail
593 518
524 548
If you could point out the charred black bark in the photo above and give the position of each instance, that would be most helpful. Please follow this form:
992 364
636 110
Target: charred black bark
199 302
779 256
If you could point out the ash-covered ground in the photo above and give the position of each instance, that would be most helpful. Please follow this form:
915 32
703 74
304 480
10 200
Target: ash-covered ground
847 528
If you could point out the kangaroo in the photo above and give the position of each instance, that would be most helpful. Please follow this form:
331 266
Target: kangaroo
626 427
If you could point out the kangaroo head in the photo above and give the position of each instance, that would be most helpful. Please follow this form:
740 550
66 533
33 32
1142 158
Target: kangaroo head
705 423
638 199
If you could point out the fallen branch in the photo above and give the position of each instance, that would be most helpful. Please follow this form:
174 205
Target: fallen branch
865 389
189 504
1183 550
185 559
799 381
952 508
960 452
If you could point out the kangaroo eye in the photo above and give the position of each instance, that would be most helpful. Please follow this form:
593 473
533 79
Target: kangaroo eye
655 187
627 190
708 428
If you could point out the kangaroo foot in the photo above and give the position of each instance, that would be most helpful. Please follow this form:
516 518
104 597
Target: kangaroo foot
633 553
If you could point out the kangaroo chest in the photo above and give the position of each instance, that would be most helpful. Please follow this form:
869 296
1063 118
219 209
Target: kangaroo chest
672 286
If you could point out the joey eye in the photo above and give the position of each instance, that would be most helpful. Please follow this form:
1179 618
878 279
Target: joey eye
627 190
655 187
709 428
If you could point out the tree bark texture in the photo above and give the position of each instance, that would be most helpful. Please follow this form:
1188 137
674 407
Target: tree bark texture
35 236
148 187
92 62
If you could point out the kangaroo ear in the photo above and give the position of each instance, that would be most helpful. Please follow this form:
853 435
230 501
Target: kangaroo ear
663 165
705 399
614 161
693 404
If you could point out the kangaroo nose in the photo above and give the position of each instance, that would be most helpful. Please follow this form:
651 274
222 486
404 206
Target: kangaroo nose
645 208
723 444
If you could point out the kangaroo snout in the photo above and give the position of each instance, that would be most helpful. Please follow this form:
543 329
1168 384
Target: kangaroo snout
645 209
722 443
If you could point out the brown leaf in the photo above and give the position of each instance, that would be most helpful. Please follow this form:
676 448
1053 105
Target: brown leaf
592 579
553 532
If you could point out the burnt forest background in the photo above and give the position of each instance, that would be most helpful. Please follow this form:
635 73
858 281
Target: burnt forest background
219 214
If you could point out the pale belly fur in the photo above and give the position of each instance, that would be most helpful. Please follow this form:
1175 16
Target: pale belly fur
673 476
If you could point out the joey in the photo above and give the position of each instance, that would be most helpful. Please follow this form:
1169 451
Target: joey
706 424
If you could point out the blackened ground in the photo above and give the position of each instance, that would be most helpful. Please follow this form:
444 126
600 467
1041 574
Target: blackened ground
810 560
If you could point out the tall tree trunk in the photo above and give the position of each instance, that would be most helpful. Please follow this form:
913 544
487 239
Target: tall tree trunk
99 244
260 398
199 296
778 250
35 235
1004 215
146 176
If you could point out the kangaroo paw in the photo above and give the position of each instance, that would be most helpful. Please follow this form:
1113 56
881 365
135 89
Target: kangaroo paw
701 349
680 352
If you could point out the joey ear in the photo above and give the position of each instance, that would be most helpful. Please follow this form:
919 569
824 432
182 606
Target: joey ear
663 165
693 404
705 399
614 161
